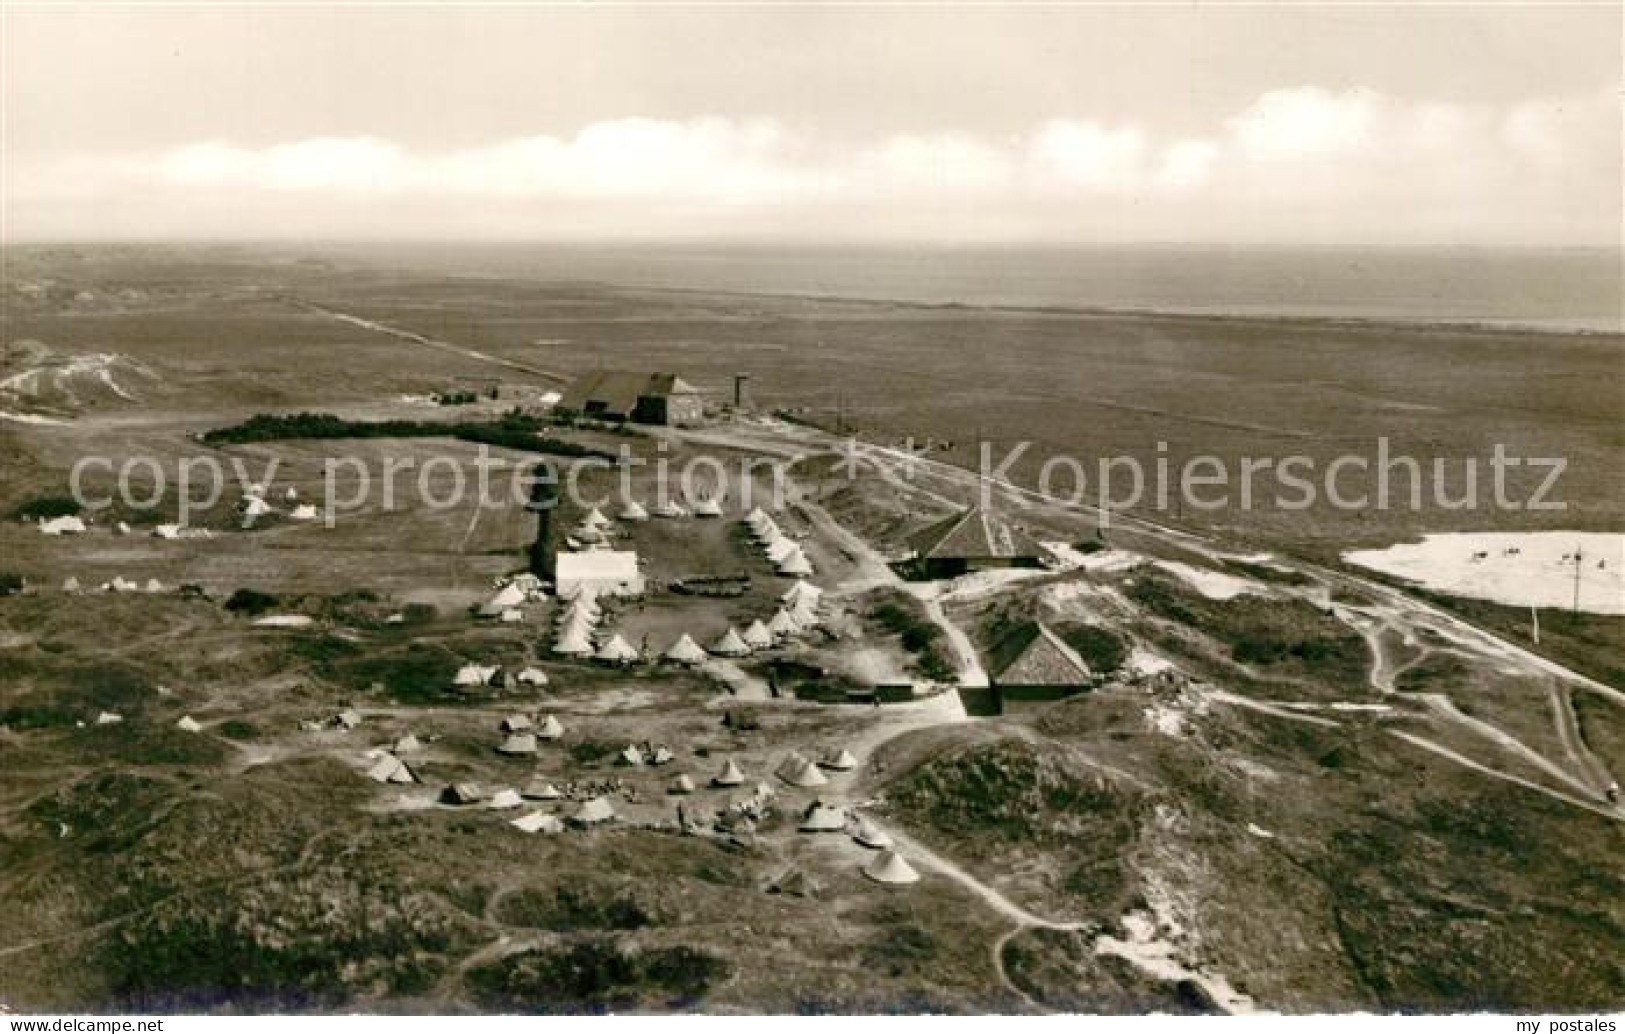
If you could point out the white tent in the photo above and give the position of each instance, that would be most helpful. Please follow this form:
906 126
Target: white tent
254 506
662 756
730 645
729 776
291 494
109 718
669 510
595 519
791 764
550 729
540 789
870 835
537 822
348 718
757 636
840 761
783 624
474 675
821 818
121 584
685 651
633 511
573 643
509 597
407 744
390 769
578 626
580 607
505 798
594 811
618 650
890 868
122 528
805 775
801 594
780 549
512 617
605 571
708 508
519 743
62 526
756 514
630 756
188 724
167 531
796 565
680 785
70 584
533 677
303 512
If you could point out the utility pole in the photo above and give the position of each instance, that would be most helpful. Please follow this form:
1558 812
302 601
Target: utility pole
1534 624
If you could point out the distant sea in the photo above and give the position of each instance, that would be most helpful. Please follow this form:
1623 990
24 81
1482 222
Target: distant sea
1553 290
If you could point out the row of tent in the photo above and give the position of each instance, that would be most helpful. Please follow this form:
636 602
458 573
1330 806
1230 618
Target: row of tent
118 584
784 553
523 735
473 676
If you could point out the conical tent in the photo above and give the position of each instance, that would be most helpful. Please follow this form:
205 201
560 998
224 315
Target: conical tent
408 743
463 793
799 592
793 762
70 584
518 744
573 643
779 549
538 822
540 789
804 775
594 811
730 775
891 868
634 511
783 624
389 769
303 512
707 508
630 756
730 645
533 677
154 585
681 784
617 650
473 675
517 723
841 761
188 724
509 597
505 798
662 756
870 835
685 651
795 883
757 636
550 729
795 566
821 818
595 519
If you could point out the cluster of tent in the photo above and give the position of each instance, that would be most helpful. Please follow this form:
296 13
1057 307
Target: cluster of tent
118 584
522 734
797 614
66 525
591 533
577 623
784 553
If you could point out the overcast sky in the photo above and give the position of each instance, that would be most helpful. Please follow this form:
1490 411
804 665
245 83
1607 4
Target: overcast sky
1331 124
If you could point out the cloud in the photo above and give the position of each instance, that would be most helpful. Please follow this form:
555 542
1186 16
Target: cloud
1295 163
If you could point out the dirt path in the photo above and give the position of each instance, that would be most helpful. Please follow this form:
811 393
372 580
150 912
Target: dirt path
425 340
1616 812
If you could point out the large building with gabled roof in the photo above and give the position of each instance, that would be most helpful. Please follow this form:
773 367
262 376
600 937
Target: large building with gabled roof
623 395
972 540
1031 663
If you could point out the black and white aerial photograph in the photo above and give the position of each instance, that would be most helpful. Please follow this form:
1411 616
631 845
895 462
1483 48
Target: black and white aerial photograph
660 509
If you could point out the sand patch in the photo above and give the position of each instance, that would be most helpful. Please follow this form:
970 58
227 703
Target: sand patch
1521 569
